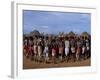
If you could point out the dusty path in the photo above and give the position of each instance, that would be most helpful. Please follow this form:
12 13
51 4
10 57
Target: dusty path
28 64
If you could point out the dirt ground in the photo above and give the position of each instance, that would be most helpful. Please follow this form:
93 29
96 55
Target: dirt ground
28 64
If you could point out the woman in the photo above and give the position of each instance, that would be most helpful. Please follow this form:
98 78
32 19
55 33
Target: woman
25 47
87 48
78 50
53 53
30 45
26 50
83 51
61 50
35 51
46 52
39 47
66 48
72 43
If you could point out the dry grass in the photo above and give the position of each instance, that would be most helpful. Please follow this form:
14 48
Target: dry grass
28 64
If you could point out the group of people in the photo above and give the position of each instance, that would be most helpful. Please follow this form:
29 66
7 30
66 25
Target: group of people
58 49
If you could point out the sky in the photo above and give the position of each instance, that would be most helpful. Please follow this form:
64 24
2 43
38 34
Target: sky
54 22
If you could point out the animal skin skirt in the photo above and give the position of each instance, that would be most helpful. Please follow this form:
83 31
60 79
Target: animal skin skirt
66 51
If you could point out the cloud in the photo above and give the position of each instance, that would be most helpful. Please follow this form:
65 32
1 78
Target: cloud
46 27
84 16
56 14
53 22
76 30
